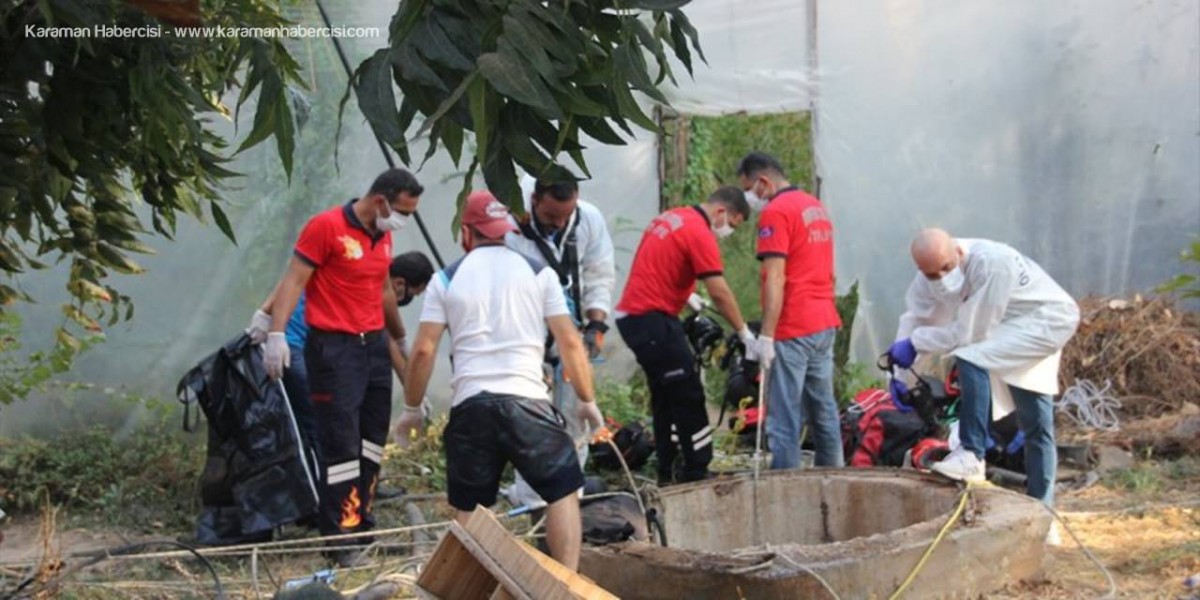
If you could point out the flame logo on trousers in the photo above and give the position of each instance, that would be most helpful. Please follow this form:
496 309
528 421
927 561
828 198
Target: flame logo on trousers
350 516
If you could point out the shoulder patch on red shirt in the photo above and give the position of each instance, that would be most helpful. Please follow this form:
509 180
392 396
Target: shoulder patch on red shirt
766 232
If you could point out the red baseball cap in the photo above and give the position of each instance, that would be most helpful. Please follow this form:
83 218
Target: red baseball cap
487 215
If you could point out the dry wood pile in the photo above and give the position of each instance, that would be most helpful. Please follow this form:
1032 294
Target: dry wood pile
1149 349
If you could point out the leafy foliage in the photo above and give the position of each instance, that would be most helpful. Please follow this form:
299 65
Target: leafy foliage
20 376
624 401
1187 285
136 479
527 77
90 124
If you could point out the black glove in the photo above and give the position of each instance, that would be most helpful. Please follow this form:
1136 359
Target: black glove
593 338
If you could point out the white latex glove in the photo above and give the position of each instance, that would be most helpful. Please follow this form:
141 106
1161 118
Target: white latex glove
589 414
766 351
697 302
259 325
412 421
750 342
276 354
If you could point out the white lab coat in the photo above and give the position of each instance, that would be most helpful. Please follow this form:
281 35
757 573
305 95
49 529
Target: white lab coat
1010 318
597 269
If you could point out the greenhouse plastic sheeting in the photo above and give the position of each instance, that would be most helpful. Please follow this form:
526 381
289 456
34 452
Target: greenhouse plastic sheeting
758 58
1070 130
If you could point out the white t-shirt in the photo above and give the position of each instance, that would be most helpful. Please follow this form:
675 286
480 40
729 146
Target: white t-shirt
495 302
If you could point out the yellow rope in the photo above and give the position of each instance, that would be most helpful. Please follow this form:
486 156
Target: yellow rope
962 504
984 486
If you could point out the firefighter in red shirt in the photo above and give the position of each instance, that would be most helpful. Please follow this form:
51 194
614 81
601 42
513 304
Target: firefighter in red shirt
678 248
800 319
341 263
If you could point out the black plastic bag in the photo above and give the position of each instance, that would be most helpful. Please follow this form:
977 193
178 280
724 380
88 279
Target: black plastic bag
258 473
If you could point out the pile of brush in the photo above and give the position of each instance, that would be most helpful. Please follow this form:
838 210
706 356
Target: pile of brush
1148 349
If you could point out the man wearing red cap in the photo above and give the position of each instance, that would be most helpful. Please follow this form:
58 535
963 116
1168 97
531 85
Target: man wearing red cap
497 304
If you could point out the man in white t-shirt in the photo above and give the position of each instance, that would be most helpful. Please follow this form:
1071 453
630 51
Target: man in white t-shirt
497 304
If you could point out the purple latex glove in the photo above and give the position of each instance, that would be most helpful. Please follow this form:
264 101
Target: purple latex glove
902 353
899 390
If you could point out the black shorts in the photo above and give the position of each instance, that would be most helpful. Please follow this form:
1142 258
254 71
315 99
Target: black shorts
489 430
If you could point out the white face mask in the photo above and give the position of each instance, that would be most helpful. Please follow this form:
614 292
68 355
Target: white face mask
393 222
951 283
756 203
723 231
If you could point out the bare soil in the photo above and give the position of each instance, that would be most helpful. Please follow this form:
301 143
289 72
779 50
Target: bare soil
1149 539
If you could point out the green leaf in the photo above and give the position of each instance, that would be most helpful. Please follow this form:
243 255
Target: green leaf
111 257
679 44
222 222
600 131
433 43
408 62
377 100
500 176
452 138
482 114
632 65
686 25
510 77
520 40
629 107
654 4
447 104
652 43
461 200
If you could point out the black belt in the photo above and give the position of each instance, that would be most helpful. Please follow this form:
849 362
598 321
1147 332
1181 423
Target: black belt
364 337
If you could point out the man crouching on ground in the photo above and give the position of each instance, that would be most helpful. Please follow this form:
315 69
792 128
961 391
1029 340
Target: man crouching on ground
497 304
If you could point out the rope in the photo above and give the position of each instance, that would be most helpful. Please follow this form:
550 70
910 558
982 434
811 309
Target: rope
973 487
962 504
629 475
773 554
121 552
1090 406
806 569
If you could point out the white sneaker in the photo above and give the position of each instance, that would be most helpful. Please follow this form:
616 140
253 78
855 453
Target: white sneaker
1053 538
961 465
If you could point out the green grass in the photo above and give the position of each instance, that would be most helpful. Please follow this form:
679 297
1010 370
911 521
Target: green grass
145 480
1147 477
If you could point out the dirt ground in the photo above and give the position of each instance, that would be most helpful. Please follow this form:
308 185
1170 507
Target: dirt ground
1149 539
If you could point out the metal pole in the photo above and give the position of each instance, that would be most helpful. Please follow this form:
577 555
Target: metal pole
387 155
762 392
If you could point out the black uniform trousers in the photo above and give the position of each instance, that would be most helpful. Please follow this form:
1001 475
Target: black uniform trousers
350 384
676 393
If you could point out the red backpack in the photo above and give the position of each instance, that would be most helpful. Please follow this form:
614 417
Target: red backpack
876 434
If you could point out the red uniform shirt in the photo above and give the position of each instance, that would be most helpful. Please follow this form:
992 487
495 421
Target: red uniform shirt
677 248
795 226
345 292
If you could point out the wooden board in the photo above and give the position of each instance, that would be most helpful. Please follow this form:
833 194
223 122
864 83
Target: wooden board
460 568
539 575
484 561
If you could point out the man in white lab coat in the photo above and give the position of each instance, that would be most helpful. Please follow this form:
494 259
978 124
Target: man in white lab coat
1005 321
571 236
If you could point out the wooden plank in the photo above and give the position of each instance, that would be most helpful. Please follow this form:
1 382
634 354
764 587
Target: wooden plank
502 594
460 568
538 575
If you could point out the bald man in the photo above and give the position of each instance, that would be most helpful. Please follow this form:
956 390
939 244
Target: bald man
1005 321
